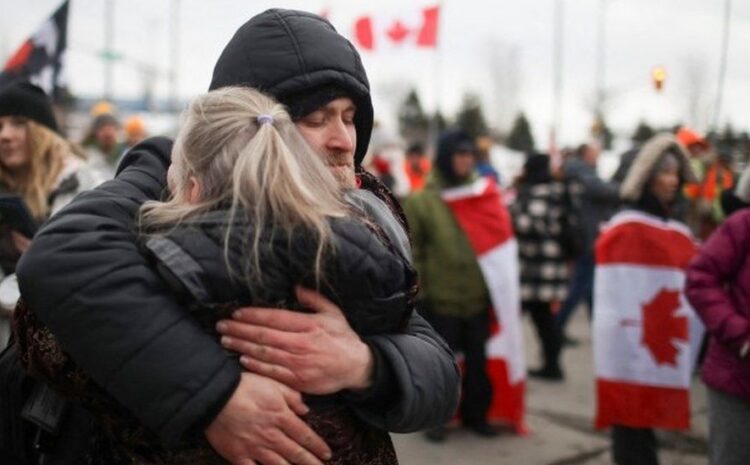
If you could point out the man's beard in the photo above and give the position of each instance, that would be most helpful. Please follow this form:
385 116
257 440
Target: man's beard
341 166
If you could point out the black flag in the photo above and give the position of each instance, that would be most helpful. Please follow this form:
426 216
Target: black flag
41 59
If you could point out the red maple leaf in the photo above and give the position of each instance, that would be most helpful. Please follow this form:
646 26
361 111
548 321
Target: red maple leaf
397 32
661 327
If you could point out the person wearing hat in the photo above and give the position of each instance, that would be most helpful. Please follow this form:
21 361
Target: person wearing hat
39 166
135 131
101 144
149 354
452 287
713 177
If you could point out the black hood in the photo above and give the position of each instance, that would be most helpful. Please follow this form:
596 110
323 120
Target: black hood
536 169
286 53
450 142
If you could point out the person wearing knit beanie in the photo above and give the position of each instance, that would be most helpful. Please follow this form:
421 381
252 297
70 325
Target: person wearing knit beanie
26 100
39 173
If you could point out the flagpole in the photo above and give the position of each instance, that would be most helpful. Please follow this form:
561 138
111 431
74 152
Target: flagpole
437 63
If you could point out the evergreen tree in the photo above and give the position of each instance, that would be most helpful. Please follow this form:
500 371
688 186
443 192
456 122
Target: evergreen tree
643 132
744 146
470 117
439 121
520 137
413 123
728 137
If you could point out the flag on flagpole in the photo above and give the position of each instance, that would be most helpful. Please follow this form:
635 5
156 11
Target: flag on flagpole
646 335
482 215
377 32
41 58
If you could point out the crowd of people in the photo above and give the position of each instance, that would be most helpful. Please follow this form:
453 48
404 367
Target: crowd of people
569 222
253 292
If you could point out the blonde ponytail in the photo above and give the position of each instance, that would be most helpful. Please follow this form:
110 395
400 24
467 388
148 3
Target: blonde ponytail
263 170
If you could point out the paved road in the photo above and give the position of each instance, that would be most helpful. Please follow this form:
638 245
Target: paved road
560 417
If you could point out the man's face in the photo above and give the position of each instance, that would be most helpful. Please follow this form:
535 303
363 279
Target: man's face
463 164
414 159
697 151
106 136
331 133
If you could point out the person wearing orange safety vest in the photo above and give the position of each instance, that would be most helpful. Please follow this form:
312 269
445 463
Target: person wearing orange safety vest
417 166
714 175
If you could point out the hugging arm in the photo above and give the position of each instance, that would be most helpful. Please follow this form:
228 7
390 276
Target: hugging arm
85 278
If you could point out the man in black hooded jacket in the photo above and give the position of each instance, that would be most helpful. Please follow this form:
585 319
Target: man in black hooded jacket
85 278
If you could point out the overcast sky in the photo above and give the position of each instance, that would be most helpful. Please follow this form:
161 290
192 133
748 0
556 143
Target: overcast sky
478 42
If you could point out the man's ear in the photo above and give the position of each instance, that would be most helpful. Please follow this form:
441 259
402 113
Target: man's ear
194 190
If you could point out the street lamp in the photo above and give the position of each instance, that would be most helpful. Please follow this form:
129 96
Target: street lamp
658 76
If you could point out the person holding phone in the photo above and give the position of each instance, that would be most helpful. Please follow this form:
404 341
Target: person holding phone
38 166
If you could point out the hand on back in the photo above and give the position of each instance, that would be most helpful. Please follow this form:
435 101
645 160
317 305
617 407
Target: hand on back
261 424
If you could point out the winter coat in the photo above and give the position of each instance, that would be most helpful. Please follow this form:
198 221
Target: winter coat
540 214
85 270
450 279
594 198
718 287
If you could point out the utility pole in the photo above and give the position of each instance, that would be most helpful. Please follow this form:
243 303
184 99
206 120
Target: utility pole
722 64
108 52
174 52
557 70
601 47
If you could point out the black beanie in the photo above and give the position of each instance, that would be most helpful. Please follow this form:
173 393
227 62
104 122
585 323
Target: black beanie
29 101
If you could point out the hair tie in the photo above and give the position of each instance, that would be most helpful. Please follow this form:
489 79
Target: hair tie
265 119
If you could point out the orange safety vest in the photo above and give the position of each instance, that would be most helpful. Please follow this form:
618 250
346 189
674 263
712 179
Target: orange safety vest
715 176
417 178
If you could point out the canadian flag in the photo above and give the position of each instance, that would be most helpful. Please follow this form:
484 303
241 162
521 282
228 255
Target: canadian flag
646 335
481 214
373 32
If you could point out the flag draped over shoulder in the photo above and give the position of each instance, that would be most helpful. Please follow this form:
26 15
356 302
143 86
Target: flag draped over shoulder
646 335
41 58
482 215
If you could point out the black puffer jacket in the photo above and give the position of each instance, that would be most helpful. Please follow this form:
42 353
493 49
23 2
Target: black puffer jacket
364 276
85 277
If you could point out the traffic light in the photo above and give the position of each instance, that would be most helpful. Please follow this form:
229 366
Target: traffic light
658 76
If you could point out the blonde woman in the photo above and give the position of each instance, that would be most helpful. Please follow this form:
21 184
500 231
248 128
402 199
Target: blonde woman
38 166
253 214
